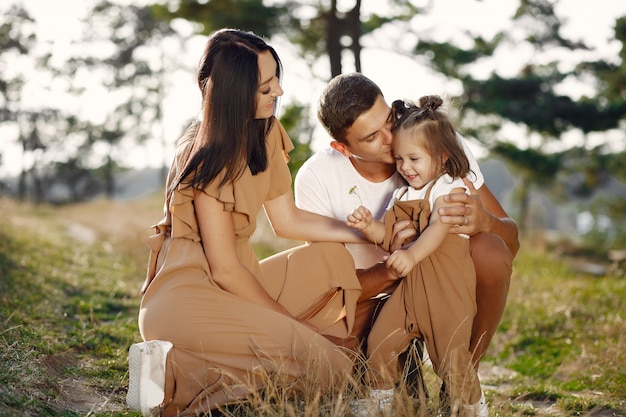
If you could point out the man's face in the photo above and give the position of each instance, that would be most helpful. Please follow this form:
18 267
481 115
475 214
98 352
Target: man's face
369 137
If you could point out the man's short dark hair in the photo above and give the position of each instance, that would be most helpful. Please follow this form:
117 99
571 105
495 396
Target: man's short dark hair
344 99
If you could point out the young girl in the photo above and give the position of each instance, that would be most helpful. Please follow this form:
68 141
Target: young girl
438 293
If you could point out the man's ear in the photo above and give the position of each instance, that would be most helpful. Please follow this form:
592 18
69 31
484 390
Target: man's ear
341 148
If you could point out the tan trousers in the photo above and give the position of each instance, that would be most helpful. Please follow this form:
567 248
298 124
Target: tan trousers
226 347
436 302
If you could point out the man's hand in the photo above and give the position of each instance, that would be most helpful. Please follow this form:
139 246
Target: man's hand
402 233
466 214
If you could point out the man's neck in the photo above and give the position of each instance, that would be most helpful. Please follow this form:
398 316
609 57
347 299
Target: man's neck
373 171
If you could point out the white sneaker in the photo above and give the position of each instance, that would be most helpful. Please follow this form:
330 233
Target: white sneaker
479 409
146 386
380 402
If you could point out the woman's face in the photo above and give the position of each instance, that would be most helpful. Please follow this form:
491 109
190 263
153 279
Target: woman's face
269 87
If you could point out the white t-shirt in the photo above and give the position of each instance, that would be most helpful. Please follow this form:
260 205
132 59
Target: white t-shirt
323 185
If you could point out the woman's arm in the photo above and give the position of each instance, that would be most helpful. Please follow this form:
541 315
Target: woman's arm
290 222
484 214
218 239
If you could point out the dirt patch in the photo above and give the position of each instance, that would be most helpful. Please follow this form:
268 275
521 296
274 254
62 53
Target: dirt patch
74 393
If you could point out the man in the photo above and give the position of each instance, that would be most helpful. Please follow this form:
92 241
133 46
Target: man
359 169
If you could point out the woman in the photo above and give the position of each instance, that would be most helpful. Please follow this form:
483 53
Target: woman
230 319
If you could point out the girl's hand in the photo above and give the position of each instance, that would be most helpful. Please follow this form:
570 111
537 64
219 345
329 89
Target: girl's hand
360 218
401 261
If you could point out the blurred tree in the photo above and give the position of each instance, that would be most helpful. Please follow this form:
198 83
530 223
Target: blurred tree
251 15
611 77
319 29
39 127
117 52
532 100
17 38
126 51
300 129
81 183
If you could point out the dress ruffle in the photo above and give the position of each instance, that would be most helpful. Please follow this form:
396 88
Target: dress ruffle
238 196
244 197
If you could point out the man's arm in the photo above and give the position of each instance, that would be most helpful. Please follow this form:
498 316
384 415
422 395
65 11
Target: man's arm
480 211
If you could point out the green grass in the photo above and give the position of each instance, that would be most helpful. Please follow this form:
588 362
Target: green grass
68 311
68 314
563 334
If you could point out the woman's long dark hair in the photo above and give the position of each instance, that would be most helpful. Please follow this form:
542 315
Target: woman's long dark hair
228 138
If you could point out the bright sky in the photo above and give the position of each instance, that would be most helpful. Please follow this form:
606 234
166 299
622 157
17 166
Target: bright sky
399 77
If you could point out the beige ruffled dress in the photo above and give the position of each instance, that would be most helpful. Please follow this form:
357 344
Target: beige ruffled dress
225 346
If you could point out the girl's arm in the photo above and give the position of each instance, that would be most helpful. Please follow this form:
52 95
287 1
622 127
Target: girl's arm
290 222
427 243
218 239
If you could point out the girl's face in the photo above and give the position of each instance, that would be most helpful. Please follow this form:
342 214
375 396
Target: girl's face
269 86
413 162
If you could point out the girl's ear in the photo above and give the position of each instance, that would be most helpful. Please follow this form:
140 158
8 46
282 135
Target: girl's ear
341 148
444 159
